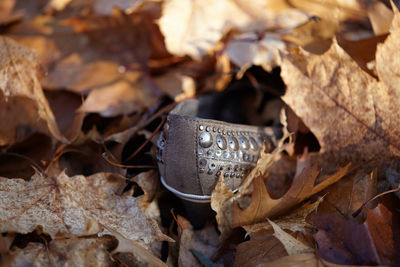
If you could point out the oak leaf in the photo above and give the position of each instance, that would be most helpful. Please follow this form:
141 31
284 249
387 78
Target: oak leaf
331 90
263 206
24 107
75 205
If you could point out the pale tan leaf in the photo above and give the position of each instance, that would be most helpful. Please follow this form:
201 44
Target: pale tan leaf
291 244
24 106
194 27
246 50
74 205
381 17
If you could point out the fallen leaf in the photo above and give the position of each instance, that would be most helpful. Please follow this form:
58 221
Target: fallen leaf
140 254
6 12
24 107
263 206
246 50
75 205
295 221
348 194
193 29
75 251
344 241
381 17
105 7
291 244
5 243
306 259
205 241
363 110
262 247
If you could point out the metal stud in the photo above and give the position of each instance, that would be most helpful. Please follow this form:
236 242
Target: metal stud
223 132
226 174
205 139
201 127
214 129
244 143
221 141
219 130
218 153
201 151
226 154
201 170
161 143
253 144
208 128
212 166
210 152
234 155
228 133
233 143
232 174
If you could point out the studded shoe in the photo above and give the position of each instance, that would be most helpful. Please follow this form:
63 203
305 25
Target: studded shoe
193 152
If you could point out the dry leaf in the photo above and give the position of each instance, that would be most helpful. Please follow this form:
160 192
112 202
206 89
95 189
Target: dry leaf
301 260
263 206
291 244
344 241
62 252
24 107
75 205
381 17
193 28
348 194
364 111
140 254
246 50
295 221
105 7
261 248
205 240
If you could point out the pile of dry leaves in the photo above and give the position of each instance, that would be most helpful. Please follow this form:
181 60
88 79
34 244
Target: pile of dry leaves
84 90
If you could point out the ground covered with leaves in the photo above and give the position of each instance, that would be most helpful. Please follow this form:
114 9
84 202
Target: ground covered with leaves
85 87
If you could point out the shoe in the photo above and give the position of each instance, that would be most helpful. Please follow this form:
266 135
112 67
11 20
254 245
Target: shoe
193 152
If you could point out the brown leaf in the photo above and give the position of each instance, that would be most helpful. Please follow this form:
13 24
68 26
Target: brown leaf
74 205
262 205
24 107
140 254
261 248
295 221
348 194
363 111
62 252
344 241
301 260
